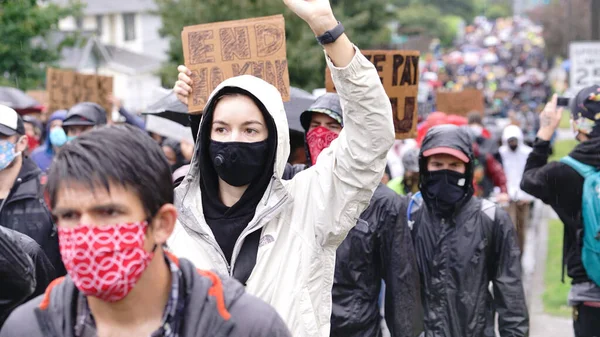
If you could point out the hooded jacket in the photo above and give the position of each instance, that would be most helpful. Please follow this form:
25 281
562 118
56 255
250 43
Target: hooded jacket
561 187
213 307
25 211
459 256
514 163
302 221
44 154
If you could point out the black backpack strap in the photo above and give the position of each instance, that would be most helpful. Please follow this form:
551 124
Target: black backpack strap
246 259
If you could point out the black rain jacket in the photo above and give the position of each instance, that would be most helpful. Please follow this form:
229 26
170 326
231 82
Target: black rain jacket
458 257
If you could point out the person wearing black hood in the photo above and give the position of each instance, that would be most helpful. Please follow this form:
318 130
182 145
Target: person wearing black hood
462 244
378 248
561 187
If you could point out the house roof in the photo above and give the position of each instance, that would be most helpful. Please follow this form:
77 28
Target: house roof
98 7
134 61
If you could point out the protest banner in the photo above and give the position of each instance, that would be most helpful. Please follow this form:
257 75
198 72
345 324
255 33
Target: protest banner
399 73
460 103
217 51
66 88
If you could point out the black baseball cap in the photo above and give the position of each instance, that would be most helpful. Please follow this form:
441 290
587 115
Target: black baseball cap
585 110
85 114
10 122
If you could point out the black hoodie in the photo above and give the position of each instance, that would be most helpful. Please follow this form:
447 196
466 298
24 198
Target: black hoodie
561 187
227 223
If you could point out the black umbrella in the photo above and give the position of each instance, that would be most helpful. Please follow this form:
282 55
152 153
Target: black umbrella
299 102
169 107
16 99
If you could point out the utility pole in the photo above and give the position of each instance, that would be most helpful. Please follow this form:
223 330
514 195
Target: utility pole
595 13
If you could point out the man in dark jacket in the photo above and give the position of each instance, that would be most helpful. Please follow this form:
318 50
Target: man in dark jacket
462 244
112 231
378 248
22 206
561 187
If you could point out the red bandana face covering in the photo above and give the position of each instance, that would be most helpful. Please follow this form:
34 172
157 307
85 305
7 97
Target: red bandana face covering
105 262
318 139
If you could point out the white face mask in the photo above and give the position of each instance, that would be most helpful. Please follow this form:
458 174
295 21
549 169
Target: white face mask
574 129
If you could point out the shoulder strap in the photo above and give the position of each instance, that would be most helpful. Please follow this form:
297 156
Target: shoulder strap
581 168
415 203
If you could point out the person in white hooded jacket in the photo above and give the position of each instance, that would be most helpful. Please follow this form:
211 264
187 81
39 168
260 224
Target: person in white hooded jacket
279 238
514 154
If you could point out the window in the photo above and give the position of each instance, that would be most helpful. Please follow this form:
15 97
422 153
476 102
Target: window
129 27
99 25
79 22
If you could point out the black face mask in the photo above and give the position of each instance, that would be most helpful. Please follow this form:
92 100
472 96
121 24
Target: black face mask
444 189
237 163
513 148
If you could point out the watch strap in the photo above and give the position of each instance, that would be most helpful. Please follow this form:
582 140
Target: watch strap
331 35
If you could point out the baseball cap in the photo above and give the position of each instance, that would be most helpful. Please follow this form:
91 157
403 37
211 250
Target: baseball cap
328 104
85 114
447 150
10 122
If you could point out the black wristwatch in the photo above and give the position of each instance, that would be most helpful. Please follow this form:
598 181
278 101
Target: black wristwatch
331 35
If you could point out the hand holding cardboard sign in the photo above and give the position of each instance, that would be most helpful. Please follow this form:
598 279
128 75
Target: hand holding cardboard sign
183 86
317 13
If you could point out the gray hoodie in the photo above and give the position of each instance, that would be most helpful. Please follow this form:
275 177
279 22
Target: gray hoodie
51 315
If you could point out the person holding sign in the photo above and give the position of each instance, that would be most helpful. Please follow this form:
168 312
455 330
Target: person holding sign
279 238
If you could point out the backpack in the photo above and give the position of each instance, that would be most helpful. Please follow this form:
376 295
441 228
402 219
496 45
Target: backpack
590 212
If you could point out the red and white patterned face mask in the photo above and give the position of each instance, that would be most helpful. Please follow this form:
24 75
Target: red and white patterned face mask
318 139
105 262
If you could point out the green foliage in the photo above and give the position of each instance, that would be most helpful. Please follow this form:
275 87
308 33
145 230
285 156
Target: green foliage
24 27
428 19
466 9
365 23
499 10
555 292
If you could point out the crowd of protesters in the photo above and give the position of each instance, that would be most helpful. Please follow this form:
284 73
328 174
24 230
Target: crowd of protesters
109 230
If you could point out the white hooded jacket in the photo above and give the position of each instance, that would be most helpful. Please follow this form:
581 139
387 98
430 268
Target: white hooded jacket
514 163
304 220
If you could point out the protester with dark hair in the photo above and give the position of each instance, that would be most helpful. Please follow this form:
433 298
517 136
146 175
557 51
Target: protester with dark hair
280 237
462 244
33 131
22 206
113 226
55 139
83 117
408 183
378 248
172 150
561 186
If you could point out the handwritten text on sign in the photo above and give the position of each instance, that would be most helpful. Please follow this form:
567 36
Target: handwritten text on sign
215 52
399 73
66 88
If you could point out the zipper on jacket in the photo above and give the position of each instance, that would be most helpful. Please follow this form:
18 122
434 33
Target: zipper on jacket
242 237
213 243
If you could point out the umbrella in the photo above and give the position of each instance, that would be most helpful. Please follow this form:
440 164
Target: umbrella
17 99
171 108
299 102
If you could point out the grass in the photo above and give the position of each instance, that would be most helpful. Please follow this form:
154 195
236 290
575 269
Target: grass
555 292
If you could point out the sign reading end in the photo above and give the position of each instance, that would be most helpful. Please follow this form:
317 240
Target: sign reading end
217 51
399 73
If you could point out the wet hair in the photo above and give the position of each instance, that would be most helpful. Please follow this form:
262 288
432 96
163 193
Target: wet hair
123 155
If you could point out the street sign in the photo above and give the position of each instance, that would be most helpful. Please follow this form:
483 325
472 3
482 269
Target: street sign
585 65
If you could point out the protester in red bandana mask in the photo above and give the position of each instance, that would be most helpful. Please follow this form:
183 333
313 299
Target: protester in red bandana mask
322 122
114 209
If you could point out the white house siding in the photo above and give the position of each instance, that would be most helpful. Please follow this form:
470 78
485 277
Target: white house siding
153 44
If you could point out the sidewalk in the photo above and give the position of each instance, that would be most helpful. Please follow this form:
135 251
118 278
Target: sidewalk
534 263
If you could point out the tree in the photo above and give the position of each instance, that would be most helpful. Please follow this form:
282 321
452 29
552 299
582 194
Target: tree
420 19
466 9
365 23
24 52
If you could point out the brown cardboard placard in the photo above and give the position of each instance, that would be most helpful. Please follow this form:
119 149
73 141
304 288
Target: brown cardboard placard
399 74
66 88
460 103
221 50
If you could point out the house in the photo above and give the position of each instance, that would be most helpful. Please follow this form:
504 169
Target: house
119 39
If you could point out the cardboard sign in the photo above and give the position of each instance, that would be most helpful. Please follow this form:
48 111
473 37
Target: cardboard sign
217 51
460 103
399 73
66 88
